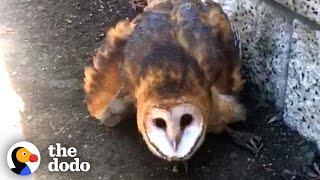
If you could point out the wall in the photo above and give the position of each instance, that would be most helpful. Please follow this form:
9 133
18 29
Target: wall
281 43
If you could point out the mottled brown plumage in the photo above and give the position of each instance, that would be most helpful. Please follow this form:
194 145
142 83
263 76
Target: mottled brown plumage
174 53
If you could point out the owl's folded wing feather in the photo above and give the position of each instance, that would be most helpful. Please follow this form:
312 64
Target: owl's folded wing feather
103 80
206 33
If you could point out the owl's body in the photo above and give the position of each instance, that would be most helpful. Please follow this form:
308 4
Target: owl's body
178 62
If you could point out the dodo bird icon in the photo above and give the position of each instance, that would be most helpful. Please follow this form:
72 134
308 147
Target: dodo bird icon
23 159
20 156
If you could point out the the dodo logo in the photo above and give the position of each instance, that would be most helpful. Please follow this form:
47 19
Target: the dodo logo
23 158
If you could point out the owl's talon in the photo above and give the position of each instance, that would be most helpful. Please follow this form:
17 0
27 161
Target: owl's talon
246 140
179 167
175 169
138 5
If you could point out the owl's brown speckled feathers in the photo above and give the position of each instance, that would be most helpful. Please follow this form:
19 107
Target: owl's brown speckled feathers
179 63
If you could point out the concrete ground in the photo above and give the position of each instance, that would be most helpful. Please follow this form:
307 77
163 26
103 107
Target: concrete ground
53 40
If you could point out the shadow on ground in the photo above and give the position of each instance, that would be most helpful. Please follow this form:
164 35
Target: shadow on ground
54 40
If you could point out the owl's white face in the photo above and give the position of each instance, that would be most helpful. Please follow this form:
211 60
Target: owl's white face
174 133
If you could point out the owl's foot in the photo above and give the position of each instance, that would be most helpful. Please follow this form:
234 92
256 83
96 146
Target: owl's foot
138 5
246 140
178 166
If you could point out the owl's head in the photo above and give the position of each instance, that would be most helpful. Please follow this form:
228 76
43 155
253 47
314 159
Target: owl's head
173 99
173 128
174 131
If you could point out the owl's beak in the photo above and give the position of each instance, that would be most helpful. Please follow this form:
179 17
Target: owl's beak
174 145
175 140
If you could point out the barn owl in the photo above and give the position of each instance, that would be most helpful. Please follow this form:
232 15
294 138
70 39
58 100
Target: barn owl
179 63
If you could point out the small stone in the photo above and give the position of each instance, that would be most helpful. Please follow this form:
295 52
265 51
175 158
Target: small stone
304 148
310 157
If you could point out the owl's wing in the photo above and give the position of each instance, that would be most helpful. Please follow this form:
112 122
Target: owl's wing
103 82
205 32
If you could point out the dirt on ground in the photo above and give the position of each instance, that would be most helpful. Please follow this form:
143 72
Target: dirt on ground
54 40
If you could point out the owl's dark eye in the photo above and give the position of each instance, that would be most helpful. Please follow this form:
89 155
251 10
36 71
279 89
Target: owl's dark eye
185 120
160 123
